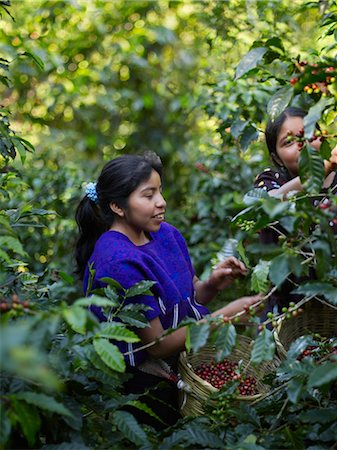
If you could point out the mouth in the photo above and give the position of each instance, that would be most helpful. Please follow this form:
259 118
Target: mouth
159 216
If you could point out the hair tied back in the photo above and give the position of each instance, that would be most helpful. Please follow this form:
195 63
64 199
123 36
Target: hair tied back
90 192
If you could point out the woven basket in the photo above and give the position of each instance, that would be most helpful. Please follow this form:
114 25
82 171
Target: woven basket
317 318
193 403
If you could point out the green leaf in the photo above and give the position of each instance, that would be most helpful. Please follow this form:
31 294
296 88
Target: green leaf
111 282
76 317
259 280
279 101
12 244
241 251
118 332
67 278
314 115
141 288
225 340
5 425
94 300
199 333
130 428
43 401
110 354
282 266
325 150
38 61
323 374
249 135
112 294
311 169
133 318
143 407
250 61
318 288
28 418
319 415
264 347
295 388
254 196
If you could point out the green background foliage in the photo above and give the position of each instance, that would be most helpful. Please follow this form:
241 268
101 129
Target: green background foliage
195 81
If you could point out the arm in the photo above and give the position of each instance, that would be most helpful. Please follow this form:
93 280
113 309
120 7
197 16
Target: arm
175 342
296 185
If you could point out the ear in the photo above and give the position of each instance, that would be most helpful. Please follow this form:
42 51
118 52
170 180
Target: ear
116 209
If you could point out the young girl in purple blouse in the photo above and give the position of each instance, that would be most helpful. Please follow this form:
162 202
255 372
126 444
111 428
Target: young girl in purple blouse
123 236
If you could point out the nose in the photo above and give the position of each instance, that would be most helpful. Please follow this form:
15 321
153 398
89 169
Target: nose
160 201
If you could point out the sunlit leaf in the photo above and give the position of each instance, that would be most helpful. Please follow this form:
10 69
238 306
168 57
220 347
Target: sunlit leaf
250 61
110 354
264 347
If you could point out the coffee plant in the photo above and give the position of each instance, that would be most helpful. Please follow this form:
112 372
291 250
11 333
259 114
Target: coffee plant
195 81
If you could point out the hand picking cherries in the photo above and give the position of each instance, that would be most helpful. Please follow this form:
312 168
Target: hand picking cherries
218 374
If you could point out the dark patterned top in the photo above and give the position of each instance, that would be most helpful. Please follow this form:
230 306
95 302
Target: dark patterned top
165 260
271 179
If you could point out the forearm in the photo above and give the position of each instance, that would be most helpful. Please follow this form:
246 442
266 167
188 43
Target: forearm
292 185
204 291
165 346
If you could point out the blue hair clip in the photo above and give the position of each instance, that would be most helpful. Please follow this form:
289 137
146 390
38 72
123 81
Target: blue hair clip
91 193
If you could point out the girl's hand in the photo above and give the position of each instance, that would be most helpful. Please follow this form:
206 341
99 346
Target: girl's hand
332 163
226 272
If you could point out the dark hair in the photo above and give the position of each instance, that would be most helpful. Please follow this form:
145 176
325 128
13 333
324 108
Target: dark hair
273 129
118 179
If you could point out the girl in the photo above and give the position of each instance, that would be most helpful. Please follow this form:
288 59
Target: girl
285 179
285 153
124 236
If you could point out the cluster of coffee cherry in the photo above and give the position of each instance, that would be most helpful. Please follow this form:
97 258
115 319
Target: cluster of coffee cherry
299 137
14 303
314 78
218 374
321 350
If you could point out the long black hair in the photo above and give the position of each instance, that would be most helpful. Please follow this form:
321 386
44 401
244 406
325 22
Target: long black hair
118 179
273 129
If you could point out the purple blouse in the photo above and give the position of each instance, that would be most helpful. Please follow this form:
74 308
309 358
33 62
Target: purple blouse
165 260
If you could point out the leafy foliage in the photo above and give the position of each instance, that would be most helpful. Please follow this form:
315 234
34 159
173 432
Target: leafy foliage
194 81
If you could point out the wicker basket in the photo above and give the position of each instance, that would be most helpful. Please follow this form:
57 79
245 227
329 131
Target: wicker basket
193 403
317 318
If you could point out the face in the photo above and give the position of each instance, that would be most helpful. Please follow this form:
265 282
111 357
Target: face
288 152
146 207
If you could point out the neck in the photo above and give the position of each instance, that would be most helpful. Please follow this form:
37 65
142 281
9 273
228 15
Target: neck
137 237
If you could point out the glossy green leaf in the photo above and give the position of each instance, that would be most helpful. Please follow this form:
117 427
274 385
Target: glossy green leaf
199 333
118 332
323 374
311 169
110 354
130 428
318 288
259 280
314 115
225 340
28 418
264 347
250 61
279 101
141 288
44 402
76 317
